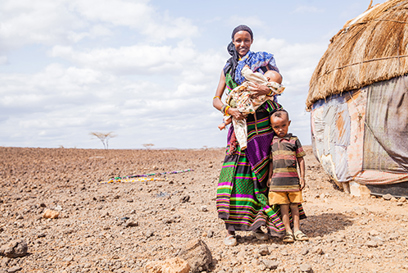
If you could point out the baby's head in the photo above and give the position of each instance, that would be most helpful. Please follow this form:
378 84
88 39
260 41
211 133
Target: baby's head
280 122
273 76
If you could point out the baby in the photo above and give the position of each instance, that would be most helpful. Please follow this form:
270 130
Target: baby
241 99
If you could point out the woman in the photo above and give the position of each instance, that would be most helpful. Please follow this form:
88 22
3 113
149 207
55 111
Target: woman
242 192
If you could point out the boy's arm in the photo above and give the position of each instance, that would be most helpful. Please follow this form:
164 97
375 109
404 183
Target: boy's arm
270 173
302 168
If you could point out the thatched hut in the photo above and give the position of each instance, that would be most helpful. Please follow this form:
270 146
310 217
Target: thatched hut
358 99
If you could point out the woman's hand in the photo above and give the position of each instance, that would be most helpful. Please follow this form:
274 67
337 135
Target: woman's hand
235 113
258 89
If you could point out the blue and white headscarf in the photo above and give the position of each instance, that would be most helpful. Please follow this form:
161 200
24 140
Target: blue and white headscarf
255 61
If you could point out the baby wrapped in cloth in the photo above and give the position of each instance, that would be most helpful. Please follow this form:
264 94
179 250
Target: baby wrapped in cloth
240 98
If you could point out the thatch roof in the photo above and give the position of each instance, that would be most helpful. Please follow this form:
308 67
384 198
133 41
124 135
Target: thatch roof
372 47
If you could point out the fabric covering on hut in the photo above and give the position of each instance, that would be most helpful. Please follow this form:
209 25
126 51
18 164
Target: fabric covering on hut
358 100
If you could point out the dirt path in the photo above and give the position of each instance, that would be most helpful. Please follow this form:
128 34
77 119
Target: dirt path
94 234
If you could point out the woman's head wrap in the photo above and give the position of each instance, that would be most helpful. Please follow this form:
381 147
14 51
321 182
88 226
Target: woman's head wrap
242 28
233 61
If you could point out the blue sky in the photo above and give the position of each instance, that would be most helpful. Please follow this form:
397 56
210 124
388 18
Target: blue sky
146 70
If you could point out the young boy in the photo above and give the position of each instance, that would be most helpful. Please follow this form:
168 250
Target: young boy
241 99
285 185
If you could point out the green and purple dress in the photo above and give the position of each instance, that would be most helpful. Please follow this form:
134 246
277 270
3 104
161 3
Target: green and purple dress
242 192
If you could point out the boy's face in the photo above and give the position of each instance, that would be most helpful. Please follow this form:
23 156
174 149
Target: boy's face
280 125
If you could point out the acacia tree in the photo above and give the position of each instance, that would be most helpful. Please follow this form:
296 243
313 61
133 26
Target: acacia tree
103 137
148 145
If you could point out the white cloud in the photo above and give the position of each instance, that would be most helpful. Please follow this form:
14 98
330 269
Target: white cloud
67 22
46 22
137 15
138 59
146 70
295 61
116 12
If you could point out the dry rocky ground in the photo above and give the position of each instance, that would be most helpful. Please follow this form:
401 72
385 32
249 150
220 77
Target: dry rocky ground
120 227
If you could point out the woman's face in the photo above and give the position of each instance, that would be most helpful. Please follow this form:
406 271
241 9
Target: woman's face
242 41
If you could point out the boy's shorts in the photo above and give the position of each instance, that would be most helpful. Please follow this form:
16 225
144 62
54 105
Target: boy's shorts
285 198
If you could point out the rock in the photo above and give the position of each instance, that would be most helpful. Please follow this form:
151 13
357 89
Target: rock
204 208
324 195
271 265
373 232
149 233
173 265
263 250
197 254
131 224
13 269
167 221
377 239
50 214
284 252
317 250
372 244
304 251
262 267
393 237
387 197
402 199
13 249
185 199
305 268
210 234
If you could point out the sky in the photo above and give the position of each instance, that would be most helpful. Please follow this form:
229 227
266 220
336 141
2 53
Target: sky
145 70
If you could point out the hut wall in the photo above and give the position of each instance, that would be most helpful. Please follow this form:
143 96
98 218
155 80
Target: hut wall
361 135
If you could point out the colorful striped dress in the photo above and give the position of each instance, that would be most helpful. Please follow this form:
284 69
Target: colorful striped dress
242 194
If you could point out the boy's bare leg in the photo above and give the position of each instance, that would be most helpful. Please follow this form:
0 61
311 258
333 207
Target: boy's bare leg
285 217
294 209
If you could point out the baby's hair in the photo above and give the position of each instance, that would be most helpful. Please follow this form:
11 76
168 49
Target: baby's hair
280 113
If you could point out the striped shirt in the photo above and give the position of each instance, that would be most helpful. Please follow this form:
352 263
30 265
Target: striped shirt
285 152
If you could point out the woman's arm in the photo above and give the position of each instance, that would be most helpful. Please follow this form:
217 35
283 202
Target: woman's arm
217 103
260 89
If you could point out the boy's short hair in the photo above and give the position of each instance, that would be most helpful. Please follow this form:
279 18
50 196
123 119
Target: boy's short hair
280 113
